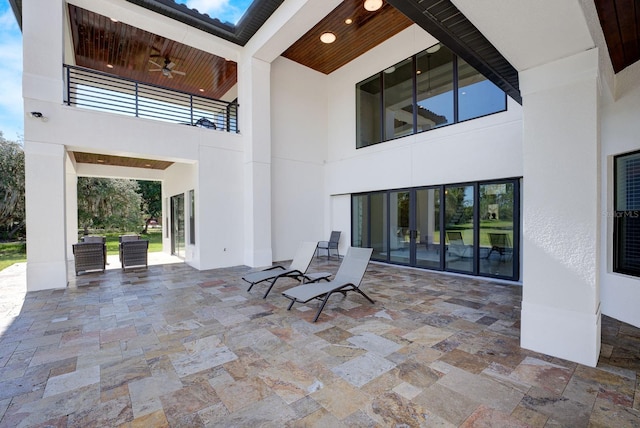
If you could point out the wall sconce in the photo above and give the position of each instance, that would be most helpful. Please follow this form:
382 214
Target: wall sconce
38 115
372 5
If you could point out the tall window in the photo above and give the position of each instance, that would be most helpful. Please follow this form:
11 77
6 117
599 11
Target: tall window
626 257
431 89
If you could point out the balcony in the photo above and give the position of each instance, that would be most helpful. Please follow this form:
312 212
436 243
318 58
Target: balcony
94 90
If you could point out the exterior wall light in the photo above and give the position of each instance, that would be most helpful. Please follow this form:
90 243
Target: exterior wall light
327 37
372 5
38 115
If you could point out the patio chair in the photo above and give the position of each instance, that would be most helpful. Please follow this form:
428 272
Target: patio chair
348 278
457 247
89 256
297 269
98 239
331 244
125 238
134 253
501 243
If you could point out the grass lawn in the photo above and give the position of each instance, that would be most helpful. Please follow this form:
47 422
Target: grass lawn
154 236
16 252
12 252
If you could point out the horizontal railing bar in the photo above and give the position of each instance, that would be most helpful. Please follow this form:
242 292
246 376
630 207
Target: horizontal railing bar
97 90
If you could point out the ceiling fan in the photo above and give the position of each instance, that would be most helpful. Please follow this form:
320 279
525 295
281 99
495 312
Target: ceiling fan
167 69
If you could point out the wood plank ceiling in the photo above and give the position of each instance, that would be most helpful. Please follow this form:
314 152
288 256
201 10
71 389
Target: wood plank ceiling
366 30
101 159
117 48
620 22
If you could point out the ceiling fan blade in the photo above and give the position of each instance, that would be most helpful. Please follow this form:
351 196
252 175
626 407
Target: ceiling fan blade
181 73
155 69
169 75
170 65
155 63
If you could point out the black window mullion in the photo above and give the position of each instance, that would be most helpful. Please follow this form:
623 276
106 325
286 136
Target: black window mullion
456 117
443 209
476 228
382 101
415 93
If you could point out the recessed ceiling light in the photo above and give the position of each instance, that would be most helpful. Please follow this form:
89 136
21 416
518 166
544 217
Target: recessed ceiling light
100 161
418 72
348 21
327 37
372 5
109 66
201 90
148 165
113 20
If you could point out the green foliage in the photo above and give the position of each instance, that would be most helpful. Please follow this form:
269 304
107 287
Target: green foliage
151 192
109 204
12 214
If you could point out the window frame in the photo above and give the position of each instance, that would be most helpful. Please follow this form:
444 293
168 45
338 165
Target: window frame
381 101
619 219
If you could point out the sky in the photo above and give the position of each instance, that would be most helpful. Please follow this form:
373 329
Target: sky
11 105
225 10
11 110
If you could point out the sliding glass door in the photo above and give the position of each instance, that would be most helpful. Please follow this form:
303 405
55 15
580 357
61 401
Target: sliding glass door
469 228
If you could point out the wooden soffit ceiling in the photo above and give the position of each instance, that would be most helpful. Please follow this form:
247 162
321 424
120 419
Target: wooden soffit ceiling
120 49
99 159
367 30
620 22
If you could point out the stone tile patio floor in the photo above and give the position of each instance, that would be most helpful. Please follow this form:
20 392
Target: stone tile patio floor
171 346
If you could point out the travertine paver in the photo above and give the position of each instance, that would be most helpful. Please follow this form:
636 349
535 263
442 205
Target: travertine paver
171 346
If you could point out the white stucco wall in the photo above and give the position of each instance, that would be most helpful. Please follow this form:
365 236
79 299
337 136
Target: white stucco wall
298 151
620 128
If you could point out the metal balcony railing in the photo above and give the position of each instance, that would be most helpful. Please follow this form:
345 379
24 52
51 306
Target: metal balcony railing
105 92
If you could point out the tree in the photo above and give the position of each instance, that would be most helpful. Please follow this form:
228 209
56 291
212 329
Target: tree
151 192
109 203
12 214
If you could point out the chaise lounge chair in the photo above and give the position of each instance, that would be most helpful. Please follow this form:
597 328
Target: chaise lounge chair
297 269
348 278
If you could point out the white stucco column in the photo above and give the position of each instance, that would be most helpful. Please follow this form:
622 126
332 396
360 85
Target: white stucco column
255 124
45 183
561 218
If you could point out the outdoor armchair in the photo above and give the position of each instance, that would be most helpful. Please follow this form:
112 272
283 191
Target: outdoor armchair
134 253
331 244
296 269
348 278
89 256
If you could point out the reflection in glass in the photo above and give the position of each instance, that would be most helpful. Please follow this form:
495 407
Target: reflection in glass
477 95
428 227
368 112
434 88
379 226
399 227
398 100
458 219
360 221
496 229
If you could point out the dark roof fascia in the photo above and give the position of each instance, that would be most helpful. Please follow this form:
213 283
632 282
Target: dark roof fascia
444 21
256 15
16 5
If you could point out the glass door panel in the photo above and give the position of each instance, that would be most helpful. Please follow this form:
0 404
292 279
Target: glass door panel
458 218
399 230
497 203
428 228
177 225
360 221
378 226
